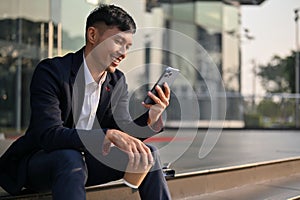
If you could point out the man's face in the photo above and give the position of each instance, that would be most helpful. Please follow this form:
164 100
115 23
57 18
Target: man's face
111 47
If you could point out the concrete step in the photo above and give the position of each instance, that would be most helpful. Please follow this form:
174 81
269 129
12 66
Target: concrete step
209 184
277 189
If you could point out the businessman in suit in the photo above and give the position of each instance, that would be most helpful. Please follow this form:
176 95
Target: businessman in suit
81 132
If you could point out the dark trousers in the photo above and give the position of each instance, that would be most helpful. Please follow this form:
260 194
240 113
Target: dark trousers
67 172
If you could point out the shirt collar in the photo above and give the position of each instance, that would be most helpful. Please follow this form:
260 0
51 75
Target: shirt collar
88 76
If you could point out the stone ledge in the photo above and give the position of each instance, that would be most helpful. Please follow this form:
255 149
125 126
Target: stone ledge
195 183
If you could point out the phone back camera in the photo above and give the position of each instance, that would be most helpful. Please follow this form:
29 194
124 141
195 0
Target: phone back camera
168 74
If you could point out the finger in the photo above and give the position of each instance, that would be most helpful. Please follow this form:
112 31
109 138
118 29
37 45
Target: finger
137 158
167 90
144 155
146 105
150 158
163 96
154 98
131 159
149 154
106 147
159 91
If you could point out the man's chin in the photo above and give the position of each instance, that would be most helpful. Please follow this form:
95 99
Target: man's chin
111 69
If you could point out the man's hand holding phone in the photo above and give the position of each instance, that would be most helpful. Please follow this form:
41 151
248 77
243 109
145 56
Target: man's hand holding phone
158 98
161 102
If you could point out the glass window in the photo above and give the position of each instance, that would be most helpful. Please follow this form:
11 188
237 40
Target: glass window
34 10
209 15
231 52
20 51
73 17
183 11
30 31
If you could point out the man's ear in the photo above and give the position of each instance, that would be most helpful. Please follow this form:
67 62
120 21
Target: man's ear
92 35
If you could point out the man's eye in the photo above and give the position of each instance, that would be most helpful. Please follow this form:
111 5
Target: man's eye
118 42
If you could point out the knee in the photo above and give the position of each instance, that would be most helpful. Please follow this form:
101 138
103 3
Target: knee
155 152
71 163
69 157
152 148
157 166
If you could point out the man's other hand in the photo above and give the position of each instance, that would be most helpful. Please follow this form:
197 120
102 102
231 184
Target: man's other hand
138 152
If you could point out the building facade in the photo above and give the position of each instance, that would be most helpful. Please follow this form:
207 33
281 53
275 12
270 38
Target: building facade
32 30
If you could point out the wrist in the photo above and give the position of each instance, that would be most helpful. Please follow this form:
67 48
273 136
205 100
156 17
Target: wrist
156 125
149 121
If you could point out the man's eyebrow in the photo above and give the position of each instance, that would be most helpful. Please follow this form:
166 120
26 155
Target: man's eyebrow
120 37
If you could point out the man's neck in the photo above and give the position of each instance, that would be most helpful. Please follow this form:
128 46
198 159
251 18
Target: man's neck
96 71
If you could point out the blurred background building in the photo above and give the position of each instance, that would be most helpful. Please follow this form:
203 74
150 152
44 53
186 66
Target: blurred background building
35 29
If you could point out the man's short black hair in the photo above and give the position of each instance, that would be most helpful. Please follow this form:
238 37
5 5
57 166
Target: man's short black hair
111 15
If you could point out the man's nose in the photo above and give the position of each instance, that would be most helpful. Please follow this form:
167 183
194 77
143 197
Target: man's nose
123 51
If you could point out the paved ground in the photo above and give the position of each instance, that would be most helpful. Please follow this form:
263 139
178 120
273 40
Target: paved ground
278 189
224 149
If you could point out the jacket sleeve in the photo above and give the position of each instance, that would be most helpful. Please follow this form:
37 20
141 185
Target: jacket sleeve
120 110
47 101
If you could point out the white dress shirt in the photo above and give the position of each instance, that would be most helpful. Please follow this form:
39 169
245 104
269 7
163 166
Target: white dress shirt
91 99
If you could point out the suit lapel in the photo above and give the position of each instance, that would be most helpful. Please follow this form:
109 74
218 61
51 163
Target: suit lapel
105 97
77 85
78 94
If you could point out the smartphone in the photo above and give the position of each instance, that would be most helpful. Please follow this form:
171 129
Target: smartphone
169 75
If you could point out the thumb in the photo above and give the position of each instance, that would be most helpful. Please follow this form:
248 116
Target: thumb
106 147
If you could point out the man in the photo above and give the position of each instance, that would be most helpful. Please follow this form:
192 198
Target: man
79 111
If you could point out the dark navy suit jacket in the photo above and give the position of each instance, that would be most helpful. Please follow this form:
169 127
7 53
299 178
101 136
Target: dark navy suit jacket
57 91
